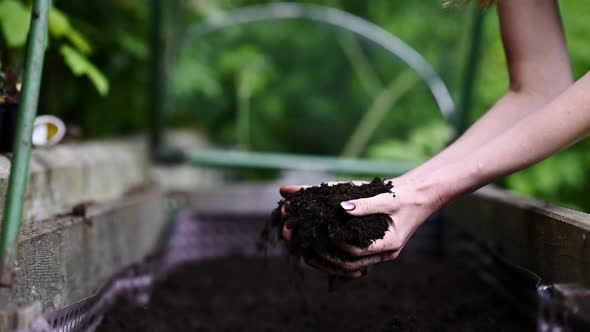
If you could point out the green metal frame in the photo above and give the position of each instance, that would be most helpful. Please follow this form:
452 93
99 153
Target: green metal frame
158 84
247 159
19 169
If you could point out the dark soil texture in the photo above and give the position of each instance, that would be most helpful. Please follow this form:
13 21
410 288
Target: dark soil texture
415 293
319 221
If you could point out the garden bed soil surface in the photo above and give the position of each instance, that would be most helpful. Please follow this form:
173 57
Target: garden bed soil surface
415 293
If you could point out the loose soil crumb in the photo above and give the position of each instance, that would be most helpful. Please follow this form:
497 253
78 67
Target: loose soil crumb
416 293
320 222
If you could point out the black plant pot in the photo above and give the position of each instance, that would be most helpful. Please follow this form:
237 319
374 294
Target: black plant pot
8 119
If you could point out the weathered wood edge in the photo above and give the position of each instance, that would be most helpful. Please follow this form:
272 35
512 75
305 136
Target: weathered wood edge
551 241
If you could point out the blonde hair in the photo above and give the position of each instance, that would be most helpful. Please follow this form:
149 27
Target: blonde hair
480 3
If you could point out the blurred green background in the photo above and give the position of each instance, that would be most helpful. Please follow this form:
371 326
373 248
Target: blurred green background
288 86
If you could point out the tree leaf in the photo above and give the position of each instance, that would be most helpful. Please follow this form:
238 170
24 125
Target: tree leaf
15 19
59 26
80 65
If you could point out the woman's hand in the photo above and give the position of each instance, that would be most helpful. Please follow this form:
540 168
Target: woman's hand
408 208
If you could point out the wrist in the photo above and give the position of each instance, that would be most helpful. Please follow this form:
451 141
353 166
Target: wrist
434 192
446 184
426 193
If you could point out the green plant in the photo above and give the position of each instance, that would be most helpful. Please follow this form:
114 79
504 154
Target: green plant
15 19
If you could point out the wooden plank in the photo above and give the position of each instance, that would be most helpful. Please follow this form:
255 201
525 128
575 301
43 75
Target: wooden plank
549 240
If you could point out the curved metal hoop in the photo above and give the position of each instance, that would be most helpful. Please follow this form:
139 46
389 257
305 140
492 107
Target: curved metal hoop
336 18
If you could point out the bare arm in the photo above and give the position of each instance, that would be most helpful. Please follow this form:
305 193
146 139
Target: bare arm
539 71
556 126
536 136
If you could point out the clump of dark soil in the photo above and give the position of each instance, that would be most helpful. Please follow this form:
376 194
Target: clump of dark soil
415 294
320 222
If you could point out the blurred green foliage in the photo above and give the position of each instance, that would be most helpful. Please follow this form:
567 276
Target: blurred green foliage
15 18
314 84
289 86
104 42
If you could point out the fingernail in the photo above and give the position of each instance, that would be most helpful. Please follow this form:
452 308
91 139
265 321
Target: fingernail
348 206
289 225
284 209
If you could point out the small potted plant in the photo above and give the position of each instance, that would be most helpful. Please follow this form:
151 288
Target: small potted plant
9 100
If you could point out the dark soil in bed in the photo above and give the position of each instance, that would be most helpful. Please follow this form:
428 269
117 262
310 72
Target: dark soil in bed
416 293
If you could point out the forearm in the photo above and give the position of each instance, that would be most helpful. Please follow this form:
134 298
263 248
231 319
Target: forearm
510 109
539 70
537 136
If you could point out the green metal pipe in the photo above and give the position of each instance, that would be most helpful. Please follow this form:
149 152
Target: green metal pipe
19 170
471 70
158 79
247 159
